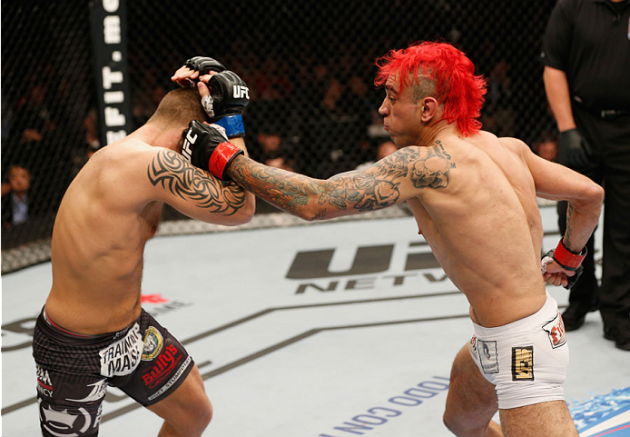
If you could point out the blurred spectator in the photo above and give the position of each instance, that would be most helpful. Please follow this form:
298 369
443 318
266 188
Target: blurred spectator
274 151
356 100
384 149
330 104
7 117
33 120
498 115
92 143
146 103
15 206
33 139
271 83
546 148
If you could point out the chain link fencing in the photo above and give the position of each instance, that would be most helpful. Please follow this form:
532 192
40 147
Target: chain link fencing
309 67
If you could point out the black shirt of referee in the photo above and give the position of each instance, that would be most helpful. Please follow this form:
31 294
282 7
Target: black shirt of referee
586 52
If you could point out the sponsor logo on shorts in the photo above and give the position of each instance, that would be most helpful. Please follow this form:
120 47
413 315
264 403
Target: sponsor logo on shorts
523 363
99 388
173 380
487 351
153 342
44 383
123 356
556 331
473 346
68 422
165 363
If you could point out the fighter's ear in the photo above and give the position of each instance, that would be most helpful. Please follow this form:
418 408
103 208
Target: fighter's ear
429 107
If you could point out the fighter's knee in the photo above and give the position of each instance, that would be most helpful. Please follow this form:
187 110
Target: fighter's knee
202 415
450 422
459 426
207 415
194 419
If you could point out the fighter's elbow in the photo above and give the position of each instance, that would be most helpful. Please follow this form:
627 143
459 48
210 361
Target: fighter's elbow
596 194
310 213
591 199
246 213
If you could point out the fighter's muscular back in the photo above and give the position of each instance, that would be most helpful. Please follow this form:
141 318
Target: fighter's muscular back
484 226
109 212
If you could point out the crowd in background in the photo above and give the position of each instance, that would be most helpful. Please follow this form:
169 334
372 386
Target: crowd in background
313 104
319 118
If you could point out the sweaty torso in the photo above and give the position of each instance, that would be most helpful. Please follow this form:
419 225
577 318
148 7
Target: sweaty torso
98 243
485 228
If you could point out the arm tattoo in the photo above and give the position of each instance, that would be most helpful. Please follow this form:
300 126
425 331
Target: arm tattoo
173 173
369 190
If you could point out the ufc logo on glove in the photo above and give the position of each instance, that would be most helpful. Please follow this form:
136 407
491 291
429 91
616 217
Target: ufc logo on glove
240 91
187 147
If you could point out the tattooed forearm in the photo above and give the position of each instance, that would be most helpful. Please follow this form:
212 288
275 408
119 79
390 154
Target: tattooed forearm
170 171
285 190
356 191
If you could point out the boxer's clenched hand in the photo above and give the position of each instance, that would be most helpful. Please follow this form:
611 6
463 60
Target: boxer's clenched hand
556 275
562 267
224 99
207 147
196 68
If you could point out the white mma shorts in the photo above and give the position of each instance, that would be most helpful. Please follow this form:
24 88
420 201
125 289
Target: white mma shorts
526 360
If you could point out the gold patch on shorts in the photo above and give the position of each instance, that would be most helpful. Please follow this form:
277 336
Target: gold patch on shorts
523 363
153 342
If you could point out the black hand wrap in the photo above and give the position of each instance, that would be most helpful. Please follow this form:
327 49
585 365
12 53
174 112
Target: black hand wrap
573 150
204 65
207 147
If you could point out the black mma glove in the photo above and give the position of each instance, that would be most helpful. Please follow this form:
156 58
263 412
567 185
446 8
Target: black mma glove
228 98
567 260
204 65
573 150
207 147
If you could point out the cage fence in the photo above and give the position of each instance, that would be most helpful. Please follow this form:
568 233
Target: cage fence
309 66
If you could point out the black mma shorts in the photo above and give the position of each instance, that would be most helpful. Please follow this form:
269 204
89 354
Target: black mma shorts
73 371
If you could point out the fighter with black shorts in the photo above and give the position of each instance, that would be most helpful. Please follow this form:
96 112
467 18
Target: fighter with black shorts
93 332
73 371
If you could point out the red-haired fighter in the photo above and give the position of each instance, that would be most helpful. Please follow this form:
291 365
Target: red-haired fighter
473 196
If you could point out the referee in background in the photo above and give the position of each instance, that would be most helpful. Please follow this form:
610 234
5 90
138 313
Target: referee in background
586 53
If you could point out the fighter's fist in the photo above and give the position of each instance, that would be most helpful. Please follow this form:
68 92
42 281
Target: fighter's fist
224 99
562 267
196 69
207 147
229 93
204 65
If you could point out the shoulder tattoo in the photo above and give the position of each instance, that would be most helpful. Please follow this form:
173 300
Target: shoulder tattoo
430 166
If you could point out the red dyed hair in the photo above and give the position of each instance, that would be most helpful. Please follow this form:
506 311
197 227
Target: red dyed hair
452 72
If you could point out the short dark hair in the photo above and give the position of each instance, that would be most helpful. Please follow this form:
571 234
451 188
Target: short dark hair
179 107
